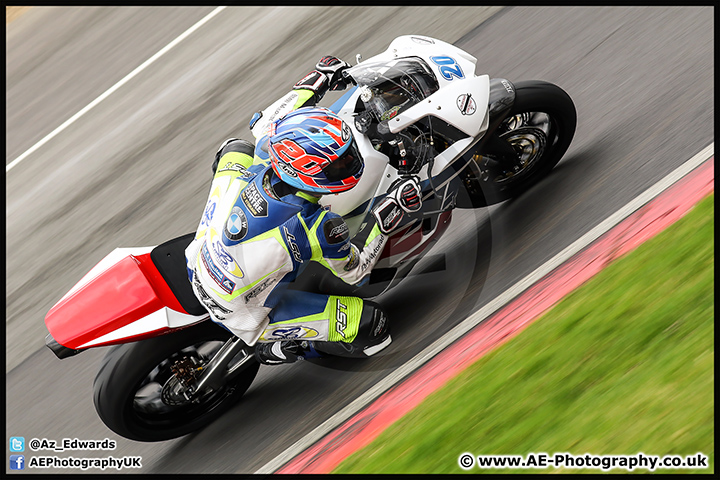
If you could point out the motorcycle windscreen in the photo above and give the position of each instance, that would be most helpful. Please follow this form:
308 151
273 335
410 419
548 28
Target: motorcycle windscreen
129 290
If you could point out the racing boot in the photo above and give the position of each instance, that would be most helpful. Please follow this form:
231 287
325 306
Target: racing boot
285 351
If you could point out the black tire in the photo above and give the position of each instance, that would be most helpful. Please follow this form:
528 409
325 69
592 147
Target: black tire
487 185
131 367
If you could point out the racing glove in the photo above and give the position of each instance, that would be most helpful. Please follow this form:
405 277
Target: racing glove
326 76
408 194
402 198
333 67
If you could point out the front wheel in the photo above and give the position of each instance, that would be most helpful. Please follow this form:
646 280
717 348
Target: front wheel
136 389
538 128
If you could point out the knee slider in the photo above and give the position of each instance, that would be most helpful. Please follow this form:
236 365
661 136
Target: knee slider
233 145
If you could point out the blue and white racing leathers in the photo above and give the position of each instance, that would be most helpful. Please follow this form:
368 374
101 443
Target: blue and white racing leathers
251 243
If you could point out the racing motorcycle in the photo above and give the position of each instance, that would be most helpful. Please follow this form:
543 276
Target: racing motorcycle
416 109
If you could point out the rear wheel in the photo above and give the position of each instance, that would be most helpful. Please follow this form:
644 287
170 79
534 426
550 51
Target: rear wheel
538 128
138 390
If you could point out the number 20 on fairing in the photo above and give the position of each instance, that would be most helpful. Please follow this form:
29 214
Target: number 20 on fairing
448 67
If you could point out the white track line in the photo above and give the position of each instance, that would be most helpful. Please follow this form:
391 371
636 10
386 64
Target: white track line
473 320
112 89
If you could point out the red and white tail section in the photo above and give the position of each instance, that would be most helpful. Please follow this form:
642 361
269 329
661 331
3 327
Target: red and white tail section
124 298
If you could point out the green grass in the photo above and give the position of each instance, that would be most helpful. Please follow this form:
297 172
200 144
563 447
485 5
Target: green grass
625 364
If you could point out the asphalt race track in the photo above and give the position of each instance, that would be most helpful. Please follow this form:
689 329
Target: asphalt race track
135 170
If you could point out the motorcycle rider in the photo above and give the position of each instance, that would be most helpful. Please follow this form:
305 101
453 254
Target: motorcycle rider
262 225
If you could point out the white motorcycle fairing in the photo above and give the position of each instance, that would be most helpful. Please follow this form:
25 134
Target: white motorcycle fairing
461 101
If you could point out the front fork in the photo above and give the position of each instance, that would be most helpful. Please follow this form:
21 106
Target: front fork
216 374
500 102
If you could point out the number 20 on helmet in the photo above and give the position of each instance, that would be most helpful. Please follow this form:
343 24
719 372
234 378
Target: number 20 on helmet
313 150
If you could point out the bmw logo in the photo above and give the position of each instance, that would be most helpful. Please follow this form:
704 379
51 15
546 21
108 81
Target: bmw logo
237 226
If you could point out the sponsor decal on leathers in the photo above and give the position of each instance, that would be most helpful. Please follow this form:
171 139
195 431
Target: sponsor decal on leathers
373 254
236 167
223 258
224 282
254 201
353 258
236 226
287 333
208 213
287 104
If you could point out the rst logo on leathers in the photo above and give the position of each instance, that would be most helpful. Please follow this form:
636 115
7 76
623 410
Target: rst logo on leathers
341 318
290 238
254 201
466 104
215 308
339 231
388 221
336 230
258 289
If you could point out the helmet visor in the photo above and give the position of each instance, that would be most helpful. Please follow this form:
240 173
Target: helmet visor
346 166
